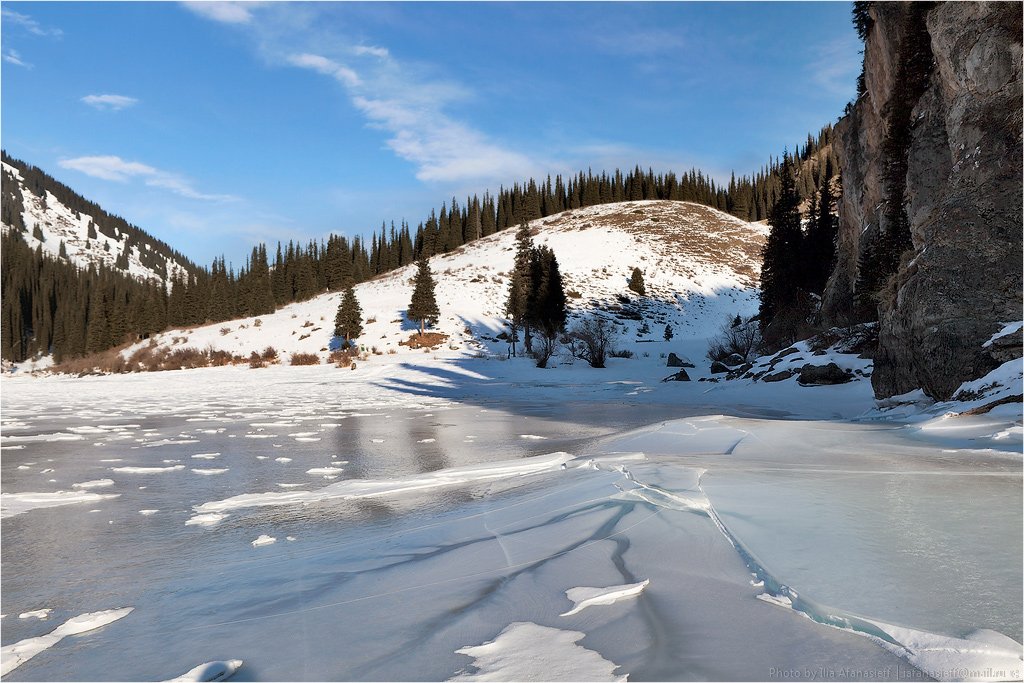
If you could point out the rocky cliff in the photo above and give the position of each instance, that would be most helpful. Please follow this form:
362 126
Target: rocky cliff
937 134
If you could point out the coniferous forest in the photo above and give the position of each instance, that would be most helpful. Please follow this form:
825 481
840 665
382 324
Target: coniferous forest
49 305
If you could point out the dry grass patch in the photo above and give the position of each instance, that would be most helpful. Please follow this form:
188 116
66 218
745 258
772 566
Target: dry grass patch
427 340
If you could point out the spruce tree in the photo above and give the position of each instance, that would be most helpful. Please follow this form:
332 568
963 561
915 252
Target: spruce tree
668 332
423 305
780 270
546 310
519 286
348 322
636 282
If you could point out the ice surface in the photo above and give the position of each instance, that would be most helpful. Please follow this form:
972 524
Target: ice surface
524 651
585 596
210 671
36 614
13 656
147 470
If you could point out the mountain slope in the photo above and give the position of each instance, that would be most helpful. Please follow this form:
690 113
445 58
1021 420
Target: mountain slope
37 206
700 266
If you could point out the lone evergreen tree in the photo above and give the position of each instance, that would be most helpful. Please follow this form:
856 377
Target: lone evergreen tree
636 282
423 306
348 322
668 332
519 287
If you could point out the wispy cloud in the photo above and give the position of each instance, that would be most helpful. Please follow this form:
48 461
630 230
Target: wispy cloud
224 12
409 102
117 169
381 52
29 24
110 102
12 57
327 67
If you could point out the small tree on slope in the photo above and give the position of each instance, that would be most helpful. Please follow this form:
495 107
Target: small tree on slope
636 282
348 323
423 306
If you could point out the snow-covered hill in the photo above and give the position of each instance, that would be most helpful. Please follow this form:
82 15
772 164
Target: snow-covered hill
85 243
700 267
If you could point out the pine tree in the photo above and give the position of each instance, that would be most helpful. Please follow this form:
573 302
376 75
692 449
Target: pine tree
636 282
519 286
668 332
348 322
780 271
546 301
423 306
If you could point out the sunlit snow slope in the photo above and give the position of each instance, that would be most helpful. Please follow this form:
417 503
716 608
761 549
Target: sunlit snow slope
60 224
700 266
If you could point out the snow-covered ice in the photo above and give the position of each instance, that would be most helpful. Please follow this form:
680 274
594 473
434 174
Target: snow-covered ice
13 656
586 596
210 671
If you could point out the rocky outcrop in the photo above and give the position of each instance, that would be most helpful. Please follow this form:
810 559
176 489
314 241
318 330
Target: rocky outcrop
961 191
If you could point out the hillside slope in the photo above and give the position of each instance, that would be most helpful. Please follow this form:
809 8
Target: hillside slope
700 266
36 205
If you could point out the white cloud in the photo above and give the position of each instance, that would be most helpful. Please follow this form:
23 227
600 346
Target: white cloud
12 57
326 66
117 169
29 24
110 102
381 52
224 12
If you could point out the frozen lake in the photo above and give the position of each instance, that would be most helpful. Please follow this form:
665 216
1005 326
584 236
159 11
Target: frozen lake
390 527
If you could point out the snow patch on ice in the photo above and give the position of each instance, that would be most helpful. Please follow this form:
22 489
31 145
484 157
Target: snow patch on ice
210 671
147 470
36 614
263 540
525 651
210 470
95 483
12 504
14 655
586 596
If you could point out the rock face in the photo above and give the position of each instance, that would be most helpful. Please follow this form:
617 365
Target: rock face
962 194
816 375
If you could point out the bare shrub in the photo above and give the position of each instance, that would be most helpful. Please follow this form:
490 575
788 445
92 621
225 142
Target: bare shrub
741 337
269 354
305 359
256 361
257 323
343 357
224 331
621 353
185 359
590 339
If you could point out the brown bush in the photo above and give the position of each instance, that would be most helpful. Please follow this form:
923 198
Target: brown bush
305 359
343 357
269 354
256 361
427 340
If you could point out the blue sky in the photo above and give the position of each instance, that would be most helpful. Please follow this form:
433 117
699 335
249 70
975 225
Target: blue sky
217 125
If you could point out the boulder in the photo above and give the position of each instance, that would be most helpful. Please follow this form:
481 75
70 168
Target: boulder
680 376
718 366
778 376
734 359
816 375
675 361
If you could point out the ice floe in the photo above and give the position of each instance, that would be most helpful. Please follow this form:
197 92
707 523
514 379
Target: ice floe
210 470
263 539
95 483
209 519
